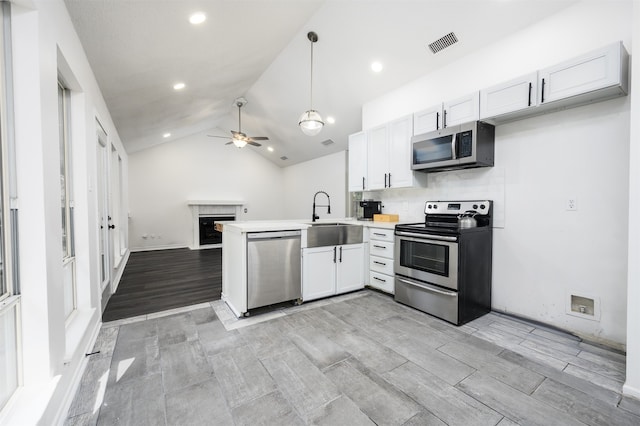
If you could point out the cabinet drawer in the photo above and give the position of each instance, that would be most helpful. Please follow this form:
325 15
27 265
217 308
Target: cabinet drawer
381 264
381 248
381 234
382 282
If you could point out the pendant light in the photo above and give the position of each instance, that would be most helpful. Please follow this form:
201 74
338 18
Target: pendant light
311 121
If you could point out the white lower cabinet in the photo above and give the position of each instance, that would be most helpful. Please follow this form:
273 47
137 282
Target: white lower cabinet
327 271
381 247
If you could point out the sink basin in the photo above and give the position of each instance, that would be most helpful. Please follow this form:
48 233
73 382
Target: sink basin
333 234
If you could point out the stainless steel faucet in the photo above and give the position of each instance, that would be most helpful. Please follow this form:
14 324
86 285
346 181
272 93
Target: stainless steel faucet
328 205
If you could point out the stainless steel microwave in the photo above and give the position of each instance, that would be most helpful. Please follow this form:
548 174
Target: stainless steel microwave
456 147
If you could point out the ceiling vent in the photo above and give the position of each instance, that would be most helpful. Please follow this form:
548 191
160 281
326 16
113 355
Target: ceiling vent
443 43
284 157
327 142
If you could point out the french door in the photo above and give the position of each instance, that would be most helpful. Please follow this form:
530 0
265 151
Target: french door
102 161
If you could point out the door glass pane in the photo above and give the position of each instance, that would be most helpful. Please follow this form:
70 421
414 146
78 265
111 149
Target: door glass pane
8 354
432 150
427 257
68 270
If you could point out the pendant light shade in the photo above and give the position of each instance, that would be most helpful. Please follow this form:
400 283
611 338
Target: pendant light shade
311 121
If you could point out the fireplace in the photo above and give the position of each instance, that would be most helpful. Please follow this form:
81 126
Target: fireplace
207 232
205 214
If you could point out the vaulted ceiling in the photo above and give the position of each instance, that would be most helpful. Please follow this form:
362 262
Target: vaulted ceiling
258 49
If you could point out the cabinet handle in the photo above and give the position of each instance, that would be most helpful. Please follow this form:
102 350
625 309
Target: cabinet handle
363 183
334 254
530 87
340 254
379 263
437 121
542 96
385 180
380 247
379 279
389 180
379 234
444 120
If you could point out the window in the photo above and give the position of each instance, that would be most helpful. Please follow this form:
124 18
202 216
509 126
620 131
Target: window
66 203
9 282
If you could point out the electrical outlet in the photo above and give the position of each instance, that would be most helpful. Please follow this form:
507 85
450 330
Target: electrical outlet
572 204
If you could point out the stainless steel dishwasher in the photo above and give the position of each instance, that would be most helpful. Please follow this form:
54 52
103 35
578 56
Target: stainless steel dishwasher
273 267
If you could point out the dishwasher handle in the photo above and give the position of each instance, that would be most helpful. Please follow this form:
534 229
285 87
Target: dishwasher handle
270 235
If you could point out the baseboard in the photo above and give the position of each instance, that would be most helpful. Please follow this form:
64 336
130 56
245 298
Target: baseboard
137 249
632 391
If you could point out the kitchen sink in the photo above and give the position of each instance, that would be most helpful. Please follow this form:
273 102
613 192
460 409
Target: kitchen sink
333 234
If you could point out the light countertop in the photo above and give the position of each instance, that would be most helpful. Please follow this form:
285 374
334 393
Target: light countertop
281 225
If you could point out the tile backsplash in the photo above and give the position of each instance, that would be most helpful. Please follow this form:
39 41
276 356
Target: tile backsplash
472 184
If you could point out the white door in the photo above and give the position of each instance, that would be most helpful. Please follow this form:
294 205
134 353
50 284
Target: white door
462 110
102 190
115 204
318 272
358 162
400 152
377 157
349 274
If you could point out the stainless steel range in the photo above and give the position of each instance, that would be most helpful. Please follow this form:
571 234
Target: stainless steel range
443 265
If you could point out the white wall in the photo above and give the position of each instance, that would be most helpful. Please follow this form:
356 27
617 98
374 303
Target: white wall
632 385
44 43
303 180
163 178
539 258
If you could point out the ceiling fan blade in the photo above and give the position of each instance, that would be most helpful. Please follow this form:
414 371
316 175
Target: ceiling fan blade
229 143
259 138
216 136
254 143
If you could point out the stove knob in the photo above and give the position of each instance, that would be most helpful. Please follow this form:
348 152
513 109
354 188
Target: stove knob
435 206
475 207
482 206
429 206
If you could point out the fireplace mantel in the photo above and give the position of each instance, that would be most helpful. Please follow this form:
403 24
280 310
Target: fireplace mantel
200 208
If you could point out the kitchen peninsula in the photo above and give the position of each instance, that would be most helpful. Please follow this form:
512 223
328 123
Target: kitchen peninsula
318 259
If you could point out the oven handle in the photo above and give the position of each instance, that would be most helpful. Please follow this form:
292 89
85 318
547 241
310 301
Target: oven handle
428 288
453 147
427 236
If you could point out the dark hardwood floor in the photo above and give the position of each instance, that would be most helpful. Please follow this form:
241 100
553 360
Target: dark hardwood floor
155 281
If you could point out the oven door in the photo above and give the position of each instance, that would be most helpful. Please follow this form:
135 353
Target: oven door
430 258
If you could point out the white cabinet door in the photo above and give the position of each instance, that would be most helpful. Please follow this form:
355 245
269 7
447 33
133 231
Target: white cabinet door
349 272
596 70
357 162
461 110
399 154
514 95
427 120
318 273
377 157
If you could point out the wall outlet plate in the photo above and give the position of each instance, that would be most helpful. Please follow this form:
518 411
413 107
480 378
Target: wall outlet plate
572 204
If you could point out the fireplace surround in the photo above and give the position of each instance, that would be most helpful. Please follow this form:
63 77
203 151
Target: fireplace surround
205 213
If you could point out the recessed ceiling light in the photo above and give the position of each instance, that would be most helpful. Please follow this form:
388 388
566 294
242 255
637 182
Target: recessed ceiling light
197 18
166 135
331 120
270 148
179 86
376 66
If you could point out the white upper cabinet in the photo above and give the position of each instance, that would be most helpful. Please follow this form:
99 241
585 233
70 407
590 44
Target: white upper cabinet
358 162
605 68
514 95
427 120
400 151
389 155
461 110
378 157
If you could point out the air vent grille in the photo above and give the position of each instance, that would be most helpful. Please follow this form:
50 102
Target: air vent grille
327 142
443 43
284 157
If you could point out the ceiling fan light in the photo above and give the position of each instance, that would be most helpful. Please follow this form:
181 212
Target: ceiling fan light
311 122
240 143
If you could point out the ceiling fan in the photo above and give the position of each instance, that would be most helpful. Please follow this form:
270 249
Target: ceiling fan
238 138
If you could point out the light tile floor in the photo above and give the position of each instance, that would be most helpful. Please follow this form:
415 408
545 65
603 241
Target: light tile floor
357 359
